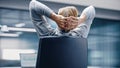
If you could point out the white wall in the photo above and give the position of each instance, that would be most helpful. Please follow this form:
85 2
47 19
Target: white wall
106 4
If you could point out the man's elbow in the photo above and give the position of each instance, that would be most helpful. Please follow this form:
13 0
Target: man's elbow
92 10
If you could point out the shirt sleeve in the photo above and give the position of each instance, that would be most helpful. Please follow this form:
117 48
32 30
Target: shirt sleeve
89 12
79 31
83 29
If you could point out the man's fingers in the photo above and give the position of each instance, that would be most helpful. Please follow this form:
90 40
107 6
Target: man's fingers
73 21
72 24
74 18
61 26
68 23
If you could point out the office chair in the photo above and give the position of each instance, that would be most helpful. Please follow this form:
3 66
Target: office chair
62 52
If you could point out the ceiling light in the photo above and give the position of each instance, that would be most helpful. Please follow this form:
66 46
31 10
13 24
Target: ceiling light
20 25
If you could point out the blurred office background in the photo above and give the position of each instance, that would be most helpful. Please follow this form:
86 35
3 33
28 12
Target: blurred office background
17 33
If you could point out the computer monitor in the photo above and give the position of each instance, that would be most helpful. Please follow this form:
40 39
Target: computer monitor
62 52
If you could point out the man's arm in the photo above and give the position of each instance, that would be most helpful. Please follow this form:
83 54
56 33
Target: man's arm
86 18
88 13
82 19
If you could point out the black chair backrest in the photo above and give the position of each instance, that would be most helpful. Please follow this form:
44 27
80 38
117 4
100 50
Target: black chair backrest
62 52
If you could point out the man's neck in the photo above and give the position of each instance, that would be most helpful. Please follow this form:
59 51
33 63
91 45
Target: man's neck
63 31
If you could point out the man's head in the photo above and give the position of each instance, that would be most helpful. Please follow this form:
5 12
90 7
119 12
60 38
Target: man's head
68 11
70 14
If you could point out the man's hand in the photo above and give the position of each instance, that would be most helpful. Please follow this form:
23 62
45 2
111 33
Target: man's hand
72 22
65 23
61 22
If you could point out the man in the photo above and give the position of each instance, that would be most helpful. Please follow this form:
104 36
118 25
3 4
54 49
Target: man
68 26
